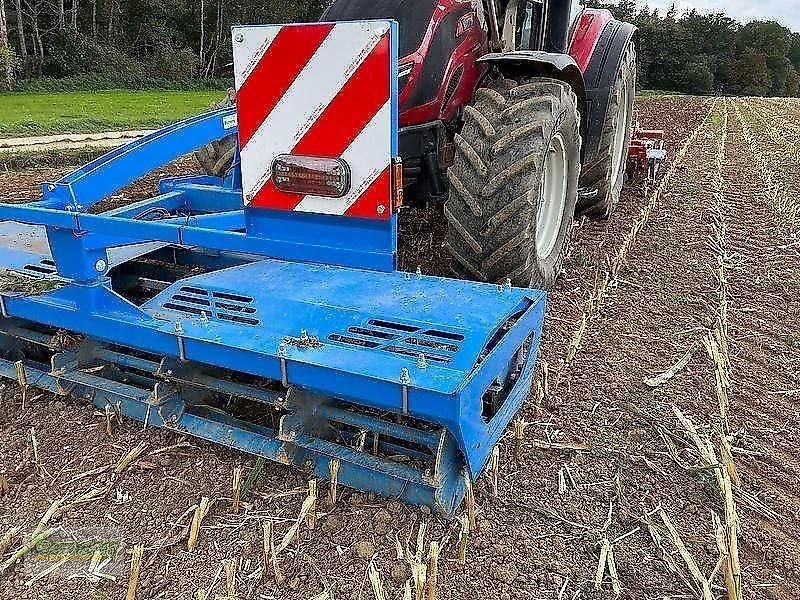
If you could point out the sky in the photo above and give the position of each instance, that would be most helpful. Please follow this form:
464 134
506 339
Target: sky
785 11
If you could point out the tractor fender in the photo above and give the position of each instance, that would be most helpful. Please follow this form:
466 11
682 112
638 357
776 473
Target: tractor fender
535 63
600 75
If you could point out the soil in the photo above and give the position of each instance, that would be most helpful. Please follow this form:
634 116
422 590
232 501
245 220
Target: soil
713 246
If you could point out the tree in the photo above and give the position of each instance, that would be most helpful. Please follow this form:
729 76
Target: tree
147 42
697 78
773 40
793 83
23 47
794 51
752 72
778 66
6 54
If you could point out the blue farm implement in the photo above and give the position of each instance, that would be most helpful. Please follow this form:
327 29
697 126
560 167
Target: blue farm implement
219 309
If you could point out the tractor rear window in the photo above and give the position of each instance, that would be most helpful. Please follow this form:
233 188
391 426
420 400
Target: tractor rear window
414 16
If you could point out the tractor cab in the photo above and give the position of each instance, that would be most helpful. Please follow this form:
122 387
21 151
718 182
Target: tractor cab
413 16
529 25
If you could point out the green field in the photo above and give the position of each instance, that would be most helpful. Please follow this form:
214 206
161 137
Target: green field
23 114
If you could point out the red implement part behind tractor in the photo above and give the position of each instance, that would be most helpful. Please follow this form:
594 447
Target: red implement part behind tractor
513 119
646 154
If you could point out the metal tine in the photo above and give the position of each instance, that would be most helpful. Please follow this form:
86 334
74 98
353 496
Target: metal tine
429 439
194 377
355 456
439 456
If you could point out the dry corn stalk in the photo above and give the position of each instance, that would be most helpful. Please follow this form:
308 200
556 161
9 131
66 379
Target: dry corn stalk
197 521
54 510
721 372
230 577
8 539
495 469
334 476
237 489
107 413
420 541
601 564
519 435
90 496
26 547
311 517
577 338
35 448
724 557
470 499
723 477
22 378
130 457
539 398
398 547
542 445
267 545
269 554
662 378
666 556
462 540
136 565
612 571
375 580
733 572
706 450
95 566
289 536
726 454
407 590
46 572
433 571
687 557
416 561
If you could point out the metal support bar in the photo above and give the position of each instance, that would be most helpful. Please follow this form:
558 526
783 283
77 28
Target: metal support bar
113 171
131 232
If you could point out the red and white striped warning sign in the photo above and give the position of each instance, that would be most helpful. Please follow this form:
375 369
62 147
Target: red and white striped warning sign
318 90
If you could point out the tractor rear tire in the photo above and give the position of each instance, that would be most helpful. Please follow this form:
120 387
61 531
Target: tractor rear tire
216 158
606 174
514 183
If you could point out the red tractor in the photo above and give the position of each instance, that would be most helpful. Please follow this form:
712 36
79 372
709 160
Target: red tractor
513 119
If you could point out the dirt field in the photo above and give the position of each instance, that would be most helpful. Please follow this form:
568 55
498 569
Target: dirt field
705 266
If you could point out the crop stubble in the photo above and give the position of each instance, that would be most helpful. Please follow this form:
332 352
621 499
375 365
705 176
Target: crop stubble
601 450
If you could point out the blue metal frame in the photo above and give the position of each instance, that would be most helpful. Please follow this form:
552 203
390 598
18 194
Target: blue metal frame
310 304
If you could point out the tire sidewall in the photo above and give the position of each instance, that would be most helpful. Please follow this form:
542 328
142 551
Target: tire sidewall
550 266
626 81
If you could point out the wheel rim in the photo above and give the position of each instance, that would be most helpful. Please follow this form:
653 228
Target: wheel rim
554 198
621 135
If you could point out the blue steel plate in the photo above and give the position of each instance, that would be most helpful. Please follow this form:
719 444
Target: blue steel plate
283 299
